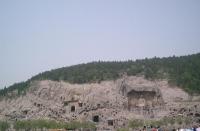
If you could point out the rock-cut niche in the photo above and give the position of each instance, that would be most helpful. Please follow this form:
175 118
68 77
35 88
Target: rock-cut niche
142 99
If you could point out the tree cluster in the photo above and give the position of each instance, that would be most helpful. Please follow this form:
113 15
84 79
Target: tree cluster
183 71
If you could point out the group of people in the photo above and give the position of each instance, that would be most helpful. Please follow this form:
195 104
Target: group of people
151 128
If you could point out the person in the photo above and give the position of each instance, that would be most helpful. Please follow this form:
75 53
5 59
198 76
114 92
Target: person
144 128
148 128
159 129
194 128
153 128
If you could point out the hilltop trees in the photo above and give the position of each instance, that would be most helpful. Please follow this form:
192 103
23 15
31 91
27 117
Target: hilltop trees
182 71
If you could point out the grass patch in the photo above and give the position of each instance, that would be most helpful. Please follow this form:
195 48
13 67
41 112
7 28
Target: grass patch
123 129
166 121
51 124
4 125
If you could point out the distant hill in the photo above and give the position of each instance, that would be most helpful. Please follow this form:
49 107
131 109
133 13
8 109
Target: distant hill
183 71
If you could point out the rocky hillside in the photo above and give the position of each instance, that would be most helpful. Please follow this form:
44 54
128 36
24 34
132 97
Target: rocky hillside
109 104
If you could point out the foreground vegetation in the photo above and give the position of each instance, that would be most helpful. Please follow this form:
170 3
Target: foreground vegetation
4 125
45 124
166 122
181 71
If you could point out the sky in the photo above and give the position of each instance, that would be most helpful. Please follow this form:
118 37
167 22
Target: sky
40 35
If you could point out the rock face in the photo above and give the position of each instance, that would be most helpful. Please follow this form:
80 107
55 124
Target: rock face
142 99
110 104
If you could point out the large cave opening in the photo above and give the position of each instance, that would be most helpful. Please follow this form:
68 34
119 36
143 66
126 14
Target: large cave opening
141 99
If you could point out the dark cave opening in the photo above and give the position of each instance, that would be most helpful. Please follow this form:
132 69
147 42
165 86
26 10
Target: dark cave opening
141 99
72 108
96 118
110 122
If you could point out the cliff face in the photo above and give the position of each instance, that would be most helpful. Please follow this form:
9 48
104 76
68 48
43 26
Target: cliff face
110 104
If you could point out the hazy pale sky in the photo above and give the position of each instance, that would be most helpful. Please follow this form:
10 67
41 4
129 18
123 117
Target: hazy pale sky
39 35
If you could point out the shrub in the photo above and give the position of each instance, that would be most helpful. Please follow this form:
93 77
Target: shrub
50 124
4 125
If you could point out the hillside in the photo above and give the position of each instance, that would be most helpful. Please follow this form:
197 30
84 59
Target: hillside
128 102
181 71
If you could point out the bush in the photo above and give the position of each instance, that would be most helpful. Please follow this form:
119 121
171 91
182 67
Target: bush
4 125
166 121
136 123
123 129
50 124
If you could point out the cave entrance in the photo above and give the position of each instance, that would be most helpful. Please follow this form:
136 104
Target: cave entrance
110 122
25 112
72 108
96 118
80 104
140 99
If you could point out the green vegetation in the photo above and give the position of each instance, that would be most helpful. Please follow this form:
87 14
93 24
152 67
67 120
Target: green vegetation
123 129
136 123
166 121
4 125
50 124
20 89
182 71
66 103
